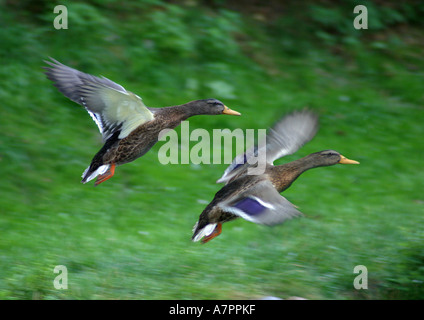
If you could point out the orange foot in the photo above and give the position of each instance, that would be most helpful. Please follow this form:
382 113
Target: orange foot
105 176
215 233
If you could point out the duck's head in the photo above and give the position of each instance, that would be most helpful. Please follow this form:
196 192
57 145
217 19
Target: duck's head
213 107
331 157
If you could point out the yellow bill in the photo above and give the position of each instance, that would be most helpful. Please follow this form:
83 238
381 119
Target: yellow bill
345 160
230 112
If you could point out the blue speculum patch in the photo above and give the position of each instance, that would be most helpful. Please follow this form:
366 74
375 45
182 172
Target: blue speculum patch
250 206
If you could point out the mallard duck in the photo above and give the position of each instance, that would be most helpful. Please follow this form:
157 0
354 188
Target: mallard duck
129 128
257 198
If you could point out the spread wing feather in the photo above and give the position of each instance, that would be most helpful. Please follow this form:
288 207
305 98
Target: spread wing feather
111 106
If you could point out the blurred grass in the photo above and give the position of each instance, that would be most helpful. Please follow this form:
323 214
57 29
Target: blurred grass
130 237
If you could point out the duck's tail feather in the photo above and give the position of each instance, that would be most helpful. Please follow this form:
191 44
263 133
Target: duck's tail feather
89 174
203 232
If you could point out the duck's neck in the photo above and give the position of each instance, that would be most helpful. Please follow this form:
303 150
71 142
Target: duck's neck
284 175
171 117
185 111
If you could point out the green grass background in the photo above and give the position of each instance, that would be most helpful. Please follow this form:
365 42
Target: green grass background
129 238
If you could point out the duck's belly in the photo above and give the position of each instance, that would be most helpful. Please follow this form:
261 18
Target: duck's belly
139 142
129 152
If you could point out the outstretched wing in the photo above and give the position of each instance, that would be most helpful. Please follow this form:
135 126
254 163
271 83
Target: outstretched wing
261 204
290 133
284 138
111 106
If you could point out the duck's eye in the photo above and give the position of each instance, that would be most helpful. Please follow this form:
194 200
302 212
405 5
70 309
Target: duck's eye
330 153
215 103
